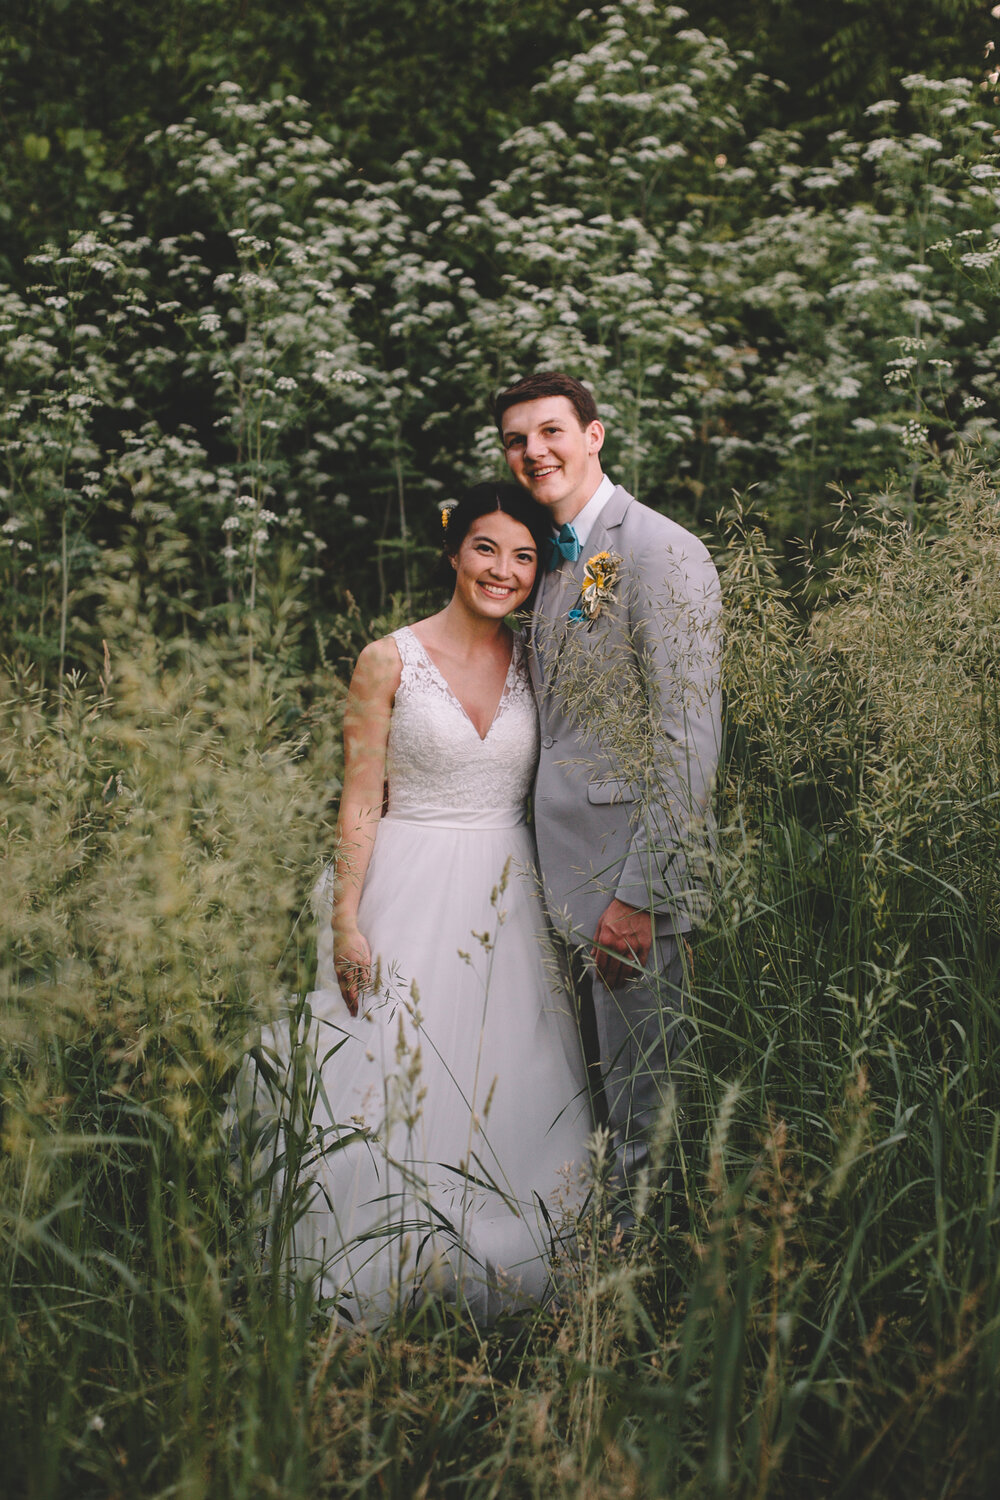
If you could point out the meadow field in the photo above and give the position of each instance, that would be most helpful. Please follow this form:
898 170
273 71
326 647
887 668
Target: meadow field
247 342
822 1310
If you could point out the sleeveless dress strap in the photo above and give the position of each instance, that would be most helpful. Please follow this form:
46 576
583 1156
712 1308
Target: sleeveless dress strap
409 648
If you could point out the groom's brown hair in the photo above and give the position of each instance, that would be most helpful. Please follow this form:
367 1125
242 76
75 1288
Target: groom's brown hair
547 383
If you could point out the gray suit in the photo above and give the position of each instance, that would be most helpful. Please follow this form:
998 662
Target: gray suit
629 707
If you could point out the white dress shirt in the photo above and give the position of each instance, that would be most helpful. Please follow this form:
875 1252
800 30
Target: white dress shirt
583 522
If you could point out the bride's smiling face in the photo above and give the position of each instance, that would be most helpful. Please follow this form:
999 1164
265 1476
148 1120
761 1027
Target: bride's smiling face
495 565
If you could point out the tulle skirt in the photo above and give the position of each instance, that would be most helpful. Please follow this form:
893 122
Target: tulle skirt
451 1114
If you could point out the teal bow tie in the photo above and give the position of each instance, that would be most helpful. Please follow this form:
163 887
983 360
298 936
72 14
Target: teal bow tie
565 545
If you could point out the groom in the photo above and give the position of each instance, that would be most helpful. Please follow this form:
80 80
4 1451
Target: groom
625 665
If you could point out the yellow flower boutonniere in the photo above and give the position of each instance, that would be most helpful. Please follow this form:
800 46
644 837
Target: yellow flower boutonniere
600 577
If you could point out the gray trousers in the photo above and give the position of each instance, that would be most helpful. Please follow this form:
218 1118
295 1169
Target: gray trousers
633 1038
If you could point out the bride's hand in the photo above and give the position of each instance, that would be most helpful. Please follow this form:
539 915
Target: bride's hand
352 962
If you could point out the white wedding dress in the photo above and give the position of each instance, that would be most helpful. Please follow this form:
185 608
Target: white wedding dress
453 1110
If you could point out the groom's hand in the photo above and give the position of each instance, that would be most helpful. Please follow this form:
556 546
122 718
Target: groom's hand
622 942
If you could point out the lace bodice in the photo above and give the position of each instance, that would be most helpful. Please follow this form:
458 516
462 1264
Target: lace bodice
439 769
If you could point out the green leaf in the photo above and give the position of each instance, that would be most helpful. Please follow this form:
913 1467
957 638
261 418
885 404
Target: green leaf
36 147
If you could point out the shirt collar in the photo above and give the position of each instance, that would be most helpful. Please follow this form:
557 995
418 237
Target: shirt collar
584 520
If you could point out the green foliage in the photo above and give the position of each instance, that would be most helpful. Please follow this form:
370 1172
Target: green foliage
836 58
739 314
84 81
157 835
820 1307
302 366
228 416
860 916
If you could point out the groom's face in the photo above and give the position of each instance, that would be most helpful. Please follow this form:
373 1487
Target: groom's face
557 460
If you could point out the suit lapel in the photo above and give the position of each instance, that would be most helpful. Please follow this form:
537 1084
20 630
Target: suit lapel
560 591
550 609
602 537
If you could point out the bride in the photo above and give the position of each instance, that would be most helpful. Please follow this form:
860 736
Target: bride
450 1060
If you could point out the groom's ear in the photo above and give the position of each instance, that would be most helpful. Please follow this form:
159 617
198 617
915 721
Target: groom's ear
595 436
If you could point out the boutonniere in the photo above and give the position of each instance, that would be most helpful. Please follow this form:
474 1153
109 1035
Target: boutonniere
600 577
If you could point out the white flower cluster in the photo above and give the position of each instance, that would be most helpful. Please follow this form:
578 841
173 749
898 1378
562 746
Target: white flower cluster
914 434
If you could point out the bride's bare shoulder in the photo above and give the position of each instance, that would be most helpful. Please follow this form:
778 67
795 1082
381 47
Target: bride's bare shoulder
378 669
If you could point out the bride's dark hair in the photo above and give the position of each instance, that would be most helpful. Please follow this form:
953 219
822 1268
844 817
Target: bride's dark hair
490 496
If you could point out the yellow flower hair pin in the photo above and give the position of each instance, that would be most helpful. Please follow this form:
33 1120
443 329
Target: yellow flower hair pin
446 507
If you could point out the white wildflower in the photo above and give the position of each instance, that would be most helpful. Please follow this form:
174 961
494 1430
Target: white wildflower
914 434
846 388
878 148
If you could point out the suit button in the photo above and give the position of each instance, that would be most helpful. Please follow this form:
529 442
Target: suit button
548 742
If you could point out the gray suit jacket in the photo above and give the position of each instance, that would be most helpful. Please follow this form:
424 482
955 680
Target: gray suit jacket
629 709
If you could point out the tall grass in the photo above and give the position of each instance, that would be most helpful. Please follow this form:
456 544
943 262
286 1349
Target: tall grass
156 833
820 1311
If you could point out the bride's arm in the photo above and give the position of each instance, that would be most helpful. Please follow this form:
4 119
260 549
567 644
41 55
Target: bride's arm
366 732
